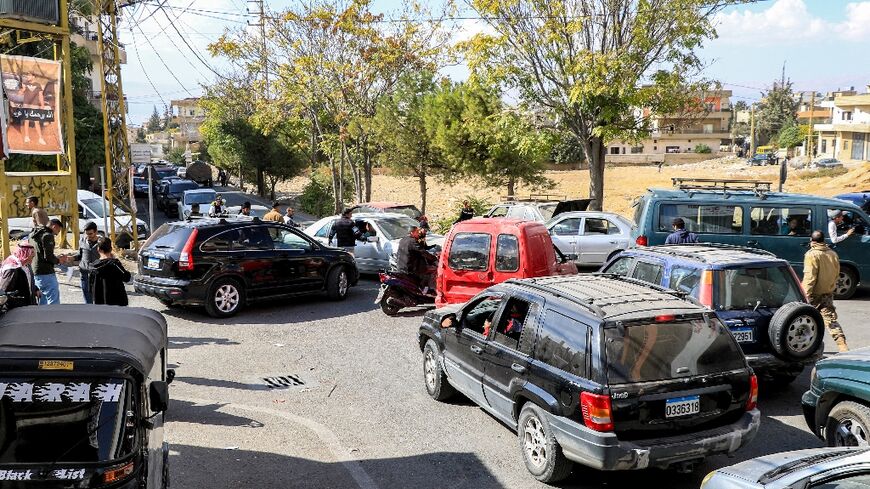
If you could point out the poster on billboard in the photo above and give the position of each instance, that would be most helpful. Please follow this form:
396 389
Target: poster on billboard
4 148
32 87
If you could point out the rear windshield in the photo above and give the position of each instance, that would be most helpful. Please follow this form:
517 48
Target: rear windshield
168 237
746 288
81 420
409 211
644 352
199 198
182 186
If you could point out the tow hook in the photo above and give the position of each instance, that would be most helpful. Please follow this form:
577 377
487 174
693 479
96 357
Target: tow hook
686 466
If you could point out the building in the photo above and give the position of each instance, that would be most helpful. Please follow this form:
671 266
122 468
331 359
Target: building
683 133
847 136
189 116
85 33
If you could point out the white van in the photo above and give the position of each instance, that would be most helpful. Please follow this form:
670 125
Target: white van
91 207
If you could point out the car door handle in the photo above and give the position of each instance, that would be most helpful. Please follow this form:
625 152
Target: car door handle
476 349
518 368
752 242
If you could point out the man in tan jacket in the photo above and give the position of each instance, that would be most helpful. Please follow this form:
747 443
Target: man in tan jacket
821 269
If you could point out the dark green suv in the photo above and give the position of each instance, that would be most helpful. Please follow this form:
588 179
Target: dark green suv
837 406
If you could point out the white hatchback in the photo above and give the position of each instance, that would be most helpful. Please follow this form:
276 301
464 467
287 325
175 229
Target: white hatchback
590 238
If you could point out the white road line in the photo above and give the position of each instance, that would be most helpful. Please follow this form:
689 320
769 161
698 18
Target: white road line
339 452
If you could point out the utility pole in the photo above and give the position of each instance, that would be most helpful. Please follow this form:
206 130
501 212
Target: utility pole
752 131
264 55
810 131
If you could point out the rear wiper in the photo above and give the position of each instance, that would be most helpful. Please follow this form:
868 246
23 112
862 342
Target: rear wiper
783 469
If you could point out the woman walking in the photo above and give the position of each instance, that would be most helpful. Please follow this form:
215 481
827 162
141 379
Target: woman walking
16 277
108 277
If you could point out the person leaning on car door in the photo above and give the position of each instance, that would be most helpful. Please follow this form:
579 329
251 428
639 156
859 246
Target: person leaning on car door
821 269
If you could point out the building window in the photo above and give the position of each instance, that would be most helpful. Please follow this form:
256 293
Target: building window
690 140
824 146
847 116
655 148
655 140
845 145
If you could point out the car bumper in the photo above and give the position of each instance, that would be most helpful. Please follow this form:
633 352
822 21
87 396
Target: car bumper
604 451
768 361
181 292
809 401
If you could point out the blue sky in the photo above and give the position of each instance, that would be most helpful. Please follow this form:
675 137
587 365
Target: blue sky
825 45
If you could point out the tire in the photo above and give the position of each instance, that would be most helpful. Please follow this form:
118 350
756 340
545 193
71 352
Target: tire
337 283
388 309
796 331
848 425
847 283
433 375
226 297
541 452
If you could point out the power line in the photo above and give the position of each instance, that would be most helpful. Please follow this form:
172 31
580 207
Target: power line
157 53
147 77
192 50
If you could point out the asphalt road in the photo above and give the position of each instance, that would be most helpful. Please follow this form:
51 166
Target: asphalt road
360 416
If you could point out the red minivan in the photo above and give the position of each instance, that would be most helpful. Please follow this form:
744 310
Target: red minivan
481 252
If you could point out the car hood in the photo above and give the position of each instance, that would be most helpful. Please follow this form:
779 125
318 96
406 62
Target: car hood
858 355
806 464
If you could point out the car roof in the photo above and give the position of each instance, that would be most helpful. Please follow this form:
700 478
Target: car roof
611 297
132 334
200 191
710 253
786 468
86 194
487 223
384 204
745 196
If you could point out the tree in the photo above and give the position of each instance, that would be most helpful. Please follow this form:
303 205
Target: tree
790 136
140 135
592 63
778 109
175 155
154 123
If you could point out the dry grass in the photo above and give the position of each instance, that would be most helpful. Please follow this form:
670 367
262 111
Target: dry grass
621 184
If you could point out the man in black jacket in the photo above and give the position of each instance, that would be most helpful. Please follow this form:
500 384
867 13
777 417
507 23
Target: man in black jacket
345 232
466 213
43 266
86 257
412 258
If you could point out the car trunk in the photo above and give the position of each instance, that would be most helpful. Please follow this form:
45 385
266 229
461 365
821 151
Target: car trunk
160 254
577 205
674 376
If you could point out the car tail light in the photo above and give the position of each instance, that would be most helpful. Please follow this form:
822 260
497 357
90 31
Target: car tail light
641 240
665 318
596 411
753 393
185 261
117 473
383 277
705 295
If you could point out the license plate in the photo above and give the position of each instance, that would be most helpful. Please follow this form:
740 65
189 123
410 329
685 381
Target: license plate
152 263
682 406
743 335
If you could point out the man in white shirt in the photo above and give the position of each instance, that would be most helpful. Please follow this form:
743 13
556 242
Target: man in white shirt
836 220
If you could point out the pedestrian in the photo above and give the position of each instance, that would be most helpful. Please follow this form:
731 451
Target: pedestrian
217 207
424 222
680 234
345 232
16 277
821 270
108 277
274 214
45 261
466 213
39 216
86 257
222 177
245 210
288 218
836 220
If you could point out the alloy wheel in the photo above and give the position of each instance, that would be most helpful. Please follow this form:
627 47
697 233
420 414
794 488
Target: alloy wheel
342 283
226 298
801 333
429 370
844 284
851 433
535 442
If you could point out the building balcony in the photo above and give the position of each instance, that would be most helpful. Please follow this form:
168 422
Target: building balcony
697 132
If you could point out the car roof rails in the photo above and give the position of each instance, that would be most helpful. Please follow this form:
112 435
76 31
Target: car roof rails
682 250
534 198
758 187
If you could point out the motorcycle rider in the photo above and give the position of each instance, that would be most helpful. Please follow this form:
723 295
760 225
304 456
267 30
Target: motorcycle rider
217 207
413 260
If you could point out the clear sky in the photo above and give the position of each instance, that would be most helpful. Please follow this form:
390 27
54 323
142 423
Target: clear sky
825 45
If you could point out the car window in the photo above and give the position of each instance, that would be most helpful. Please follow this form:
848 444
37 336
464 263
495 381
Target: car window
285 239
507 253
852 481
512 323
253 238
744 288
168 237
781 221
395 227
221 241
850 220
516 211
481 314
562 343
648 272
708 219
567 227
469 251
621 266
595 226
323 232
499 211
530 214
686 279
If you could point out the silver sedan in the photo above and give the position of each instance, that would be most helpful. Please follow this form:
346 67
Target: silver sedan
383 232
590 238
820 468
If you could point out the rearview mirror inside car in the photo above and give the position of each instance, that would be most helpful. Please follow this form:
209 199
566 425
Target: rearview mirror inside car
449 321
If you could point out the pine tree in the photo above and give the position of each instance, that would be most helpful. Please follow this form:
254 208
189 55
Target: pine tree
154 123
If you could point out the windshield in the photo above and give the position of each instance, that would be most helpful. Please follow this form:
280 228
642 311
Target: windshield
657 351
199 198
745 288
96 206
408 210
547 210
42 419
396 227
178 187
165 173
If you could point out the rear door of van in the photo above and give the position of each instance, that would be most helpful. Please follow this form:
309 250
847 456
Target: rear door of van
465 267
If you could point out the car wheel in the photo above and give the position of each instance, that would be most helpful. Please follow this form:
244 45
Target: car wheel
796 331
847 283
433 375
541 452
848 425
226 297
337 283
390 309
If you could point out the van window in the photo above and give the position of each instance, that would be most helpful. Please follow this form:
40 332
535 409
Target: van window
639 206
507 253
512 323
621 266
707 219
648 272
781 221
563 343
686 279
469 251
850 220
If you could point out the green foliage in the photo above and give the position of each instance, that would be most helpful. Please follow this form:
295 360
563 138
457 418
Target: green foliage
140 135
317 197
176 156
154 123
702 148
777 111
790 137
480 205
567 150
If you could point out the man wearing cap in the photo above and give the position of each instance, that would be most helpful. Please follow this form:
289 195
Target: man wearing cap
275 214
43 265
245 210
836 221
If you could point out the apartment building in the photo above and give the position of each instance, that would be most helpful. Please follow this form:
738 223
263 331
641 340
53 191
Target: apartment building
847 136
85 33
189 116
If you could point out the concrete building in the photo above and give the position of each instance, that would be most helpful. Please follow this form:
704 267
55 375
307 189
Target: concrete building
189 116
847 136
85 33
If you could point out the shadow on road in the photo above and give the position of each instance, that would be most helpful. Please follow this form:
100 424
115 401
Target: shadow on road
182 342
227 384
208 414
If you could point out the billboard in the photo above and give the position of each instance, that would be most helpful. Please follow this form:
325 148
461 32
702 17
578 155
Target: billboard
32 86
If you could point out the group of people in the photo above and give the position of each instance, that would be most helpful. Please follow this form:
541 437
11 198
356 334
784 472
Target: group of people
28 275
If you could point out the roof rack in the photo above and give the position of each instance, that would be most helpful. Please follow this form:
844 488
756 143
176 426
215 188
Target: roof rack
674 250
588 303
534 198
757 187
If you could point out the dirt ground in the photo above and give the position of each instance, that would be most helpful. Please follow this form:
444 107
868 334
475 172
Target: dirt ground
621 184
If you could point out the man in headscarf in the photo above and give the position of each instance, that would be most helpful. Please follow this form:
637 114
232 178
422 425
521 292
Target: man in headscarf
16 276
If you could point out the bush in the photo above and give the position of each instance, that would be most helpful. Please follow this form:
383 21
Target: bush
702 148
480 206
316 198
824 172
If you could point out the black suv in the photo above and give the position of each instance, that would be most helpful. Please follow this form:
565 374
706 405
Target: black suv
595 369
225 263
170 192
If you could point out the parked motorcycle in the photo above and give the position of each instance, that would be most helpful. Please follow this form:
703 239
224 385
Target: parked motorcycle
399 291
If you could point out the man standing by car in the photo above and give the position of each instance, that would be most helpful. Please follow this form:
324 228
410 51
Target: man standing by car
412 258
245 210
466 213
44 277
821 269
680 234
86 257
345 232
288 218
834 223
275 214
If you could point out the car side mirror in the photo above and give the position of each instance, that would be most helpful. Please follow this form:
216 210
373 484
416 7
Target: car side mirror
158 396
449 321
170 375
